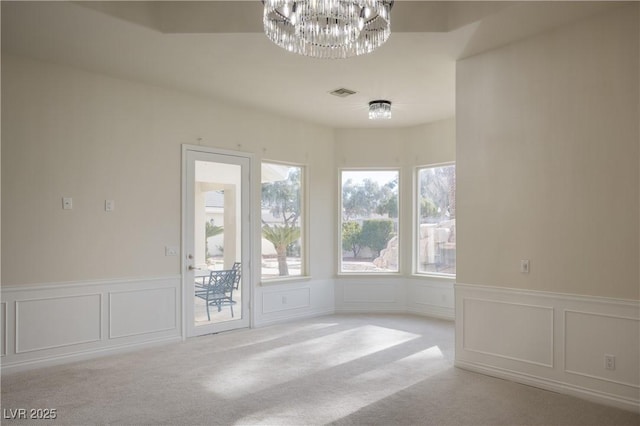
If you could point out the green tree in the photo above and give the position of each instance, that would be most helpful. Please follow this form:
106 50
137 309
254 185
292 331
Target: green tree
369 197
351 236
438 193
376 233
282 198
210 230
388 199
428 208
360 199
281 237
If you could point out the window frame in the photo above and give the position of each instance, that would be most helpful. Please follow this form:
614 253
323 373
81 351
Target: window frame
416 224
340 272
304 229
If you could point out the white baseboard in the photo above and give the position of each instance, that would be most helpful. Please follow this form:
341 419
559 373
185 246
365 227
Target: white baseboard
17 366
552 341
551 385
434 312
297 316
369 310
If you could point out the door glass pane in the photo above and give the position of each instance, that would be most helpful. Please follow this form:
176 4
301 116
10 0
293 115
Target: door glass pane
218 242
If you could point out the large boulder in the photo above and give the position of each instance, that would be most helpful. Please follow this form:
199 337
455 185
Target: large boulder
388 258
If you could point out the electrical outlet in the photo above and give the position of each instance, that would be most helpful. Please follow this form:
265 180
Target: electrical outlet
524 266
109 205
609 362
171 251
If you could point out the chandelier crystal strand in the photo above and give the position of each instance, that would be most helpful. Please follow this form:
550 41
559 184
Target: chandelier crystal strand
328 28
379 110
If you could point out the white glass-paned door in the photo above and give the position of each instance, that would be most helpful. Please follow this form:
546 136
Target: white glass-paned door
217 227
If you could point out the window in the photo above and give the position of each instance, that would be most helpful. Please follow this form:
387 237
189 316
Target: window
282 221
369 222
436 233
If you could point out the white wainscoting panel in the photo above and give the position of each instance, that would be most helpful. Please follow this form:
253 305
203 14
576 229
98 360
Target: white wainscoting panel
51 323
431 296
289 300
550 340
428 296
590 336
141 311
3 329
370 294
375 292
283 300
509 330
57 321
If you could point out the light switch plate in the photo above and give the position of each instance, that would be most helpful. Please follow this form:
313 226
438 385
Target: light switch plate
171 251
109 205
67 203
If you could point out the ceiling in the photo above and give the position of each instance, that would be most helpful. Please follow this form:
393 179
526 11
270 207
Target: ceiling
217 49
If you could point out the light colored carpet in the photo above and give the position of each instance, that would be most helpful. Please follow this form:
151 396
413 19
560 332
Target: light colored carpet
340 369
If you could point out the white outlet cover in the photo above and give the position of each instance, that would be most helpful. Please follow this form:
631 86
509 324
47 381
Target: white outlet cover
609 362
171 251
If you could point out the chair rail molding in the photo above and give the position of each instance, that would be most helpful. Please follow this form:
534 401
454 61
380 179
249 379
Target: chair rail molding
554 341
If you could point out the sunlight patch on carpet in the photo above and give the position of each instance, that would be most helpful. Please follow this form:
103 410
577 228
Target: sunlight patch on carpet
333 400
273 334
254 373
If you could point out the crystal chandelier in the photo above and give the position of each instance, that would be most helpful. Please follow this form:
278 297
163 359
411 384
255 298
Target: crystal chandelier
379 110
328 28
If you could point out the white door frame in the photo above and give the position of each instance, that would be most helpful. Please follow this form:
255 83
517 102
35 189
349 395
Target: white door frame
187 277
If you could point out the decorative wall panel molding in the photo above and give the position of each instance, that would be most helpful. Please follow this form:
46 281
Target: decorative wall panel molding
3 329
553 341
369 292
284 300
292 300
51 323
509 330
428 296
57 321
589 334
142 311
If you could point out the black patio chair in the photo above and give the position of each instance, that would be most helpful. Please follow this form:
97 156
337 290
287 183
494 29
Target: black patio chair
237 266
218 291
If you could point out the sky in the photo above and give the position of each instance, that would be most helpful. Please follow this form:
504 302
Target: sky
380 176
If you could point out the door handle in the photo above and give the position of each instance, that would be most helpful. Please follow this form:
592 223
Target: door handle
193 268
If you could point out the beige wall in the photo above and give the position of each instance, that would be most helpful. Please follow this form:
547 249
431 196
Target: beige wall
548 159
370 147
70 133
430 143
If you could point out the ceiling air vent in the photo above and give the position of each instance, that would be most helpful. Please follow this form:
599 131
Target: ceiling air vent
342 93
